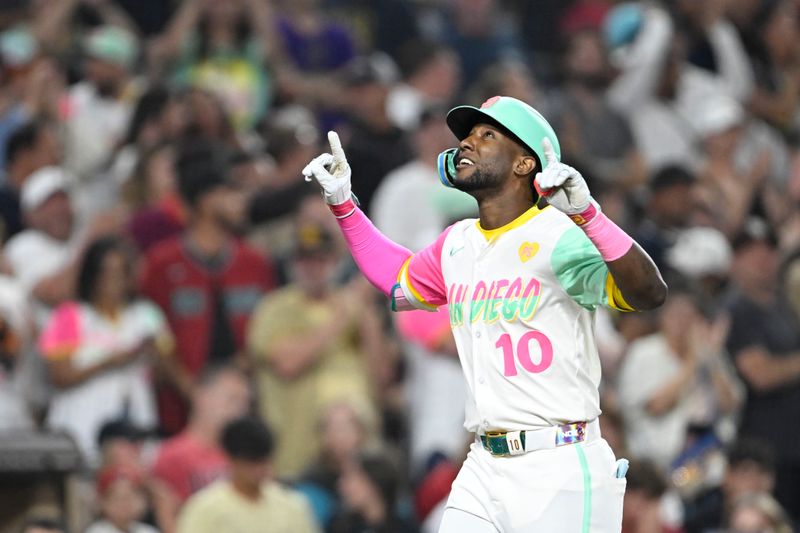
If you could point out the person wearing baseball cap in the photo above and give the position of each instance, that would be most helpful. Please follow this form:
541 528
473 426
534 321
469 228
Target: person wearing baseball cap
48 213
522 284
101 103
120 442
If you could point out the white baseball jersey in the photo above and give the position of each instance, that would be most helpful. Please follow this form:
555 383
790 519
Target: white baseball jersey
521 301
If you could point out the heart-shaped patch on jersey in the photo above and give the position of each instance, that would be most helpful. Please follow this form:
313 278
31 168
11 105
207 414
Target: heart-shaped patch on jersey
527 250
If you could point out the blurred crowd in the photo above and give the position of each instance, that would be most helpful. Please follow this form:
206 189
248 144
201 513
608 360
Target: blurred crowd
178 302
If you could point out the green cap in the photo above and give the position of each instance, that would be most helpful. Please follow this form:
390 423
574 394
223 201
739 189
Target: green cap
113 44
18 46
526 125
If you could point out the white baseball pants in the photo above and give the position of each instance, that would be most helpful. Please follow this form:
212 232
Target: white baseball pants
568 489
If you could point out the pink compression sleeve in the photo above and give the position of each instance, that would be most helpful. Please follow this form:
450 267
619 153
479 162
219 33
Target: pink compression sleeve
608 238
378 258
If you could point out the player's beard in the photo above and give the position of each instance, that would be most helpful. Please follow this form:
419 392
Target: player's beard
479 180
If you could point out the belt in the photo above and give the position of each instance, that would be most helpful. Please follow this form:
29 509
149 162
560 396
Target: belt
507 443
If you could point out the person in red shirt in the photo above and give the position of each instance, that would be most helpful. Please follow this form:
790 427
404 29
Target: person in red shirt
194 458
206 280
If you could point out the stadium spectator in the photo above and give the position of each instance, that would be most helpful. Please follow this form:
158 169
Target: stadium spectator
644 495
750 470
675 379
376 145
764 340
120 443
225 48
481 33
368 488
347 427
59 28
703 256
123 501
714 45
47 208
773 34
101 348
311 42
291 138
101 104
53 237
193 459
207 118
754 513
383 25
159 117
314 342
657 90
250 499
32 86
744 163
32 146
206 279
591 132
431 77
151 195
669 210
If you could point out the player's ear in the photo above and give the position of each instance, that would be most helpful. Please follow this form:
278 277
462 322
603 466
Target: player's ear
525 165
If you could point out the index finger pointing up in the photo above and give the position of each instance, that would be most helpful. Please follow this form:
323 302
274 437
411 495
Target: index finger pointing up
549 152
336 146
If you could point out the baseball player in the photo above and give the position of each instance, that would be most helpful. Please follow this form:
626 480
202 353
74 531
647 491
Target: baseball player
522 283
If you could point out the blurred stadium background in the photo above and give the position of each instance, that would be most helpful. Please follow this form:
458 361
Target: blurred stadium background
180 320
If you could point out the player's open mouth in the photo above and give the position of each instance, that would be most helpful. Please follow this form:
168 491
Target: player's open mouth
464 162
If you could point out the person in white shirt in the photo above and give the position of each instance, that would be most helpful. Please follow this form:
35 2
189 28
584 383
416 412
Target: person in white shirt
675 378
101 350
48 238
100 105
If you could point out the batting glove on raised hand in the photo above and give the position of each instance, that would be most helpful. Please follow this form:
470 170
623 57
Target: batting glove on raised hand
332 172
562 185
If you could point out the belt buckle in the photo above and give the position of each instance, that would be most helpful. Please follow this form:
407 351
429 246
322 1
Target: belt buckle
490 438
571 433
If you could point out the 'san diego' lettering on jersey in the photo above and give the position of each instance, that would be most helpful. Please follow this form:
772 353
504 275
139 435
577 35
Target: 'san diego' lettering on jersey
491 301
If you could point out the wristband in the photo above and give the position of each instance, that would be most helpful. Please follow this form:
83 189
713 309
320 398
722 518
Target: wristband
343 210
587 215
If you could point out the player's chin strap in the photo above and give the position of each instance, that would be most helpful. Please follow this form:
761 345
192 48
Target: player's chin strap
446 164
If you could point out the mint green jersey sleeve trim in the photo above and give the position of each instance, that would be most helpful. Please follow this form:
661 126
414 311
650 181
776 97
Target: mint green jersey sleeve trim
580 269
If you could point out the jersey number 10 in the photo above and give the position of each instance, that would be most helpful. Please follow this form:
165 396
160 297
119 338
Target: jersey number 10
524 352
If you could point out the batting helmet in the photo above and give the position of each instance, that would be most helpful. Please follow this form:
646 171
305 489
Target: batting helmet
515 118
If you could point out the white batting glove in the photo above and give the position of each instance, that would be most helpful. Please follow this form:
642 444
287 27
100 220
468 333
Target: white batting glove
562 185
332 172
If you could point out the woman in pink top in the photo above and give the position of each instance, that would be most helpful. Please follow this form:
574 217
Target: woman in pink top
100 349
